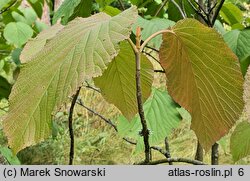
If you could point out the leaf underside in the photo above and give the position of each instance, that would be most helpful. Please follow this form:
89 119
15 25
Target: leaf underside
36 45
118 85
247 94
203 76
81 50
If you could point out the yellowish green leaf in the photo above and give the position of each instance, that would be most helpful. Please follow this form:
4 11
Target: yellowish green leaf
240 141
118 85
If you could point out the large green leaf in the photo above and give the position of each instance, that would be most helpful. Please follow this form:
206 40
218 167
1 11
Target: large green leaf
240 141
203 76
231 14
152 26
71 9
17 33
118 85
161 115
80 51
239 42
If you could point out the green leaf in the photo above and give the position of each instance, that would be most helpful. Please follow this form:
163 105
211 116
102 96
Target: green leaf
37 5
16 56
231 14
174 13
203 76
80 51
184 114
118 85
5 88
71 9
240 141
103 3
152 26
18 16
219 27
40 26
8 155
111 10
136 2
239 42
161 115
17 33
30 15
3 3
152 7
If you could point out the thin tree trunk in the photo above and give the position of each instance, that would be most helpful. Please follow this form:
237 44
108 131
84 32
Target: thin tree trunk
215 154
199 152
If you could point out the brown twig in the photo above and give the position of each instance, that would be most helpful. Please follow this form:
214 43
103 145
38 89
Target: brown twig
215 154
160 8
71 130
217 11
199 152
97 114
168 160
167 154
152 48
93 88
7 8
145 131
121 4
149 54
159 71
198 11
108 121
3 108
